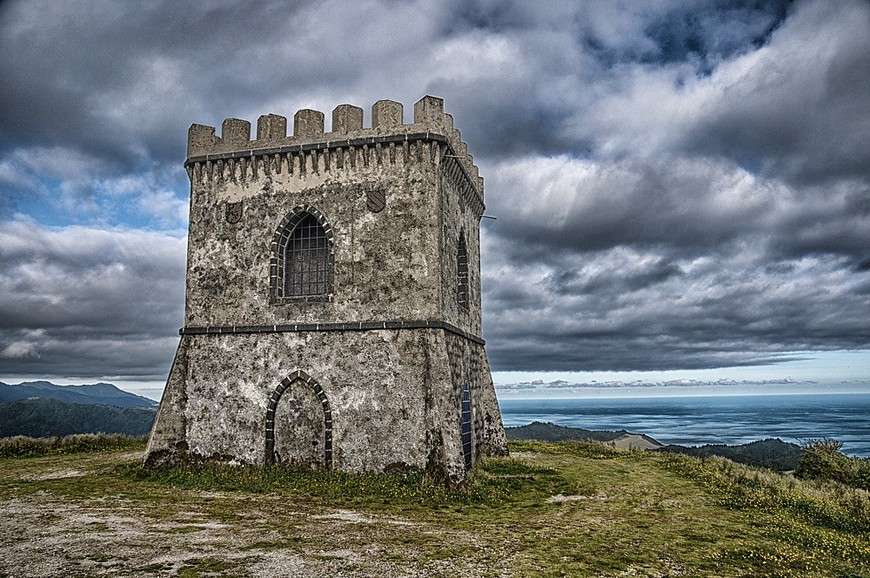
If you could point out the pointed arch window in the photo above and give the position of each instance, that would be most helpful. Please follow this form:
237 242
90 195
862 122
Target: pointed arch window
462 272
302 256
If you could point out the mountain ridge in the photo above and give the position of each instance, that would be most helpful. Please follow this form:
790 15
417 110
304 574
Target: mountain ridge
89 394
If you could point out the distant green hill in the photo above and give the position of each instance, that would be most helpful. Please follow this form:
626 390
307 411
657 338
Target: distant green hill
49 417
92 394
549 432
774 454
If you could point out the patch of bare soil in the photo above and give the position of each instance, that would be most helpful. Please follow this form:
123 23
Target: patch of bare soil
559 498
525 455
46 534
53 475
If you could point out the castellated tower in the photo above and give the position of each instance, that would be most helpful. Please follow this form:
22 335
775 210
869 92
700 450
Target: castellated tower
332 315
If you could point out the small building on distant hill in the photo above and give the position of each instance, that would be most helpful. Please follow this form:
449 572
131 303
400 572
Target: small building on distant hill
332 315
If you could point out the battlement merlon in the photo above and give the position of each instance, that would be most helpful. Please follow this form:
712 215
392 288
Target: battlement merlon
430 122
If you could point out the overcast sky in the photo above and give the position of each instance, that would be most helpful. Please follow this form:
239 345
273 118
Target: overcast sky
676 188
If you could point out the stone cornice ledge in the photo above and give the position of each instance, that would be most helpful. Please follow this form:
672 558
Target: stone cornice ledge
345 326
321 145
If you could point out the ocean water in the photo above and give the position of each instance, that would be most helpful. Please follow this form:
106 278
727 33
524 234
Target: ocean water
698 420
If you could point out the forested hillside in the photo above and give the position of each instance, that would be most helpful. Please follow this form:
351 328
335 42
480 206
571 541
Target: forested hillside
50 417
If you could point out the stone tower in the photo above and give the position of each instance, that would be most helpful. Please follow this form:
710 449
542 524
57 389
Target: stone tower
332 314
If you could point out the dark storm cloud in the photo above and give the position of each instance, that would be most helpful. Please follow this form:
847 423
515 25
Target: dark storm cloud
718 218
625 309
88 302
678 263
124 81
804 114
677 186
114 78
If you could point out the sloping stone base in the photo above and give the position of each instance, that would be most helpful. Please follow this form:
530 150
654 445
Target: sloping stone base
353 401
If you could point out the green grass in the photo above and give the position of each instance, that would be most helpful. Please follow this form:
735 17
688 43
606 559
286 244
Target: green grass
575 509
204 567
27 447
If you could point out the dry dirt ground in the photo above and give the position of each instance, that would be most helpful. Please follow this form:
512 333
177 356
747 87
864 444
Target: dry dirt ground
561 510
46 533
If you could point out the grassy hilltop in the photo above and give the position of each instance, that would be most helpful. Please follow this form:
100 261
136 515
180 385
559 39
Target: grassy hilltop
569 509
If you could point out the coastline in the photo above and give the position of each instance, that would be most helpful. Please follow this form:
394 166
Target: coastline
700 420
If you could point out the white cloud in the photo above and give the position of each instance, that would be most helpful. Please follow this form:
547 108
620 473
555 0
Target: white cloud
164 205
793 106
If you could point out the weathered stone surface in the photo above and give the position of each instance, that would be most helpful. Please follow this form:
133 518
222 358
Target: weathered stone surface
271 127
200 139
308 122
347 118
366 375
236 132
387 114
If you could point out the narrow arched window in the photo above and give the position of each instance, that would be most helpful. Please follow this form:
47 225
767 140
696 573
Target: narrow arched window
301 266
306 260
462 272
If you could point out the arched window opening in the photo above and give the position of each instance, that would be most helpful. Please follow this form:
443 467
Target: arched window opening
306 260
462 272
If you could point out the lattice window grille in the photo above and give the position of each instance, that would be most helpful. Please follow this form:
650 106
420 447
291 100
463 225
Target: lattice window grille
306 260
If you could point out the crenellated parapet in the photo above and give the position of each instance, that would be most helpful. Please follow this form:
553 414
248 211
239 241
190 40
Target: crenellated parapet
310 148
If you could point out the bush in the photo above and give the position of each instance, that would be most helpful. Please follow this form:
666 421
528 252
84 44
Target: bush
822 460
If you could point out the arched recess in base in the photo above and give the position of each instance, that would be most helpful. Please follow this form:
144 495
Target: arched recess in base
302 427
